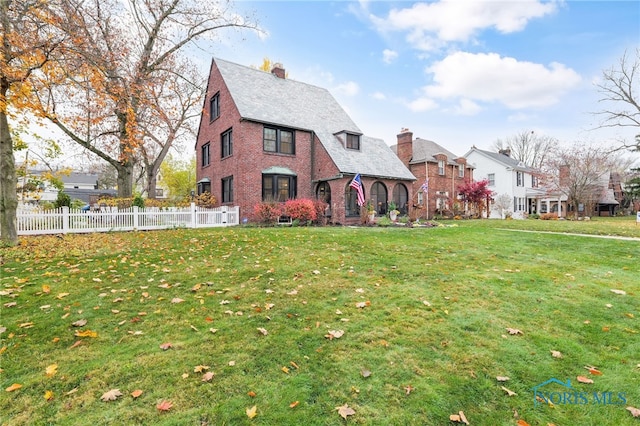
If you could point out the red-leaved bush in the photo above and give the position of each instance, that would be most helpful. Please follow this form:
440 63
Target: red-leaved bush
301 209
267 213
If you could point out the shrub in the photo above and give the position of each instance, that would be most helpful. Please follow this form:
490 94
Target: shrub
384 221
63 199
320 208
534 216
138 201
301 209
267 213
549 216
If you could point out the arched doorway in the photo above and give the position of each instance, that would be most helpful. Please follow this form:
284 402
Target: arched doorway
379 197
401 197
323 193
351 207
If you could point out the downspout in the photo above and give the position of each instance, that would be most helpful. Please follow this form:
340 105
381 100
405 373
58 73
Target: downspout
313 162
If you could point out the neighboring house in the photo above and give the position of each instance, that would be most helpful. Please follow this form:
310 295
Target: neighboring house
80 186
263 137
442 171
506 175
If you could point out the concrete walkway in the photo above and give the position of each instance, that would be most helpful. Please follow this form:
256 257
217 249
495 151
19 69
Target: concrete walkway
611 237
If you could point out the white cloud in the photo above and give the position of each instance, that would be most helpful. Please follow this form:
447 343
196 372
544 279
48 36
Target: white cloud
492 78
350 88
430 25
389 56
467 107
422 104
379 96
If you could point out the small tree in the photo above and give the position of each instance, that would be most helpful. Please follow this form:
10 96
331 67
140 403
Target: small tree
63 199
477 194
502 204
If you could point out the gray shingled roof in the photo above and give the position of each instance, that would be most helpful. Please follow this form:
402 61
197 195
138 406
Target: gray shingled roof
424 149
504 159
263 97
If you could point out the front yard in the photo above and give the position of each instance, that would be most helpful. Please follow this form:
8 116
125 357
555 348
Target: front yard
288 325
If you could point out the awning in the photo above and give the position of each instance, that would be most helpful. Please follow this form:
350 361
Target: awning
275 170
204 180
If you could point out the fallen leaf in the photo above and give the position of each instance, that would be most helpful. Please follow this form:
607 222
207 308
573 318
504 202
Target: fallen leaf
365 373
408 389
10 304
136 393
46 289
635 412
232 363
26 325
13 387
513 331
556 354
345 411
200 368
111 395
252 412
594 370
51 370
86 333
207 376
252 394
177 300
262 331
164 405
166 346
79 323
294 404
502 378
509 392
616 291
459 418
522 423
285 370
583 379
62 295
334 334
48 395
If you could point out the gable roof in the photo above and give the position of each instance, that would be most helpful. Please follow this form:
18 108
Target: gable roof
502 159
262 97
426 150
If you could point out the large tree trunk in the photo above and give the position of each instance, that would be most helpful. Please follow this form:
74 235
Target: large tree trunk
8 181
125 179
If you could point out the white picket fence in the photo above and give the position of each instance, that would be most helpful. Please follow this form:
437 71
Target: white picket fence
65 220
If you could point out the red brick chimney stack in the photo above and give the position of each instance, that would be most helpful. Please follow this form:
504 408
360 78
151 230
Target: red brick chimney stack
278 70
405 146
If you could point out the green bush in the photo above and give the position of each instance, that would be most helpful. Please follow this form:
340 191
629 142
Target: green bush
63 199
138 201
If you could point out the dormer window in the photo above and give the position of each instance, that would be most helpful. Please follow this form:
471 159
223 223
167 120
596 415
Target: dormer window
353 141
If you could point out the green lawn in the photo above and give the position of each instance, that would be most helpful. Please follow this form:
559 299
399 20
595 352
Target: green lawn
426 314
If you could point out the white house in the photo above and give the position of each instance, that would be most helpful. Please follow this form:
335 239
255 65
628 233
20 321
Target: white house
519 182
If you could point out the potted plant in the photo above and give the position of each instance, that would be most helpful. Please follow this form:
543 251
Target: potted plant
371 212
393 211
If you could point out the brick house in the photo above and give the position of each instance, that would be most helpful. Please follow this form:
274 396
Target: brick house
443 170
264 137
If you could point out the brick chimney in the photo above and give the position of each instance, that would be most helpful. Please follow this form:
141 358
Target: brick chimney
278 70
405 146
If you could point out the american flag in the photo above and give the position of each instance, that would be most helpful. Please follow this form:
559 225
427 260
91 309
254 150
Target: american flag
357 185
425 186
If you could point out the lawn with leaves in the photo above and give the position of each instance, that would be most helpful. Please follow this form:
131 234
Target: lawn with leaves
289 326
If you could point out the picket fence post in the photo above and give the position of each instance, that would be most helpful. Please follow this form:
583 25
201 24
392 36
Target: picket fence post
65 219
135 217
194 217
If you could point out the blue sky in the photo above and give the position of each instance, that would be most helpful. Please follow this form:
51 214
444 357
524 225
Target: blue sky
461 73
